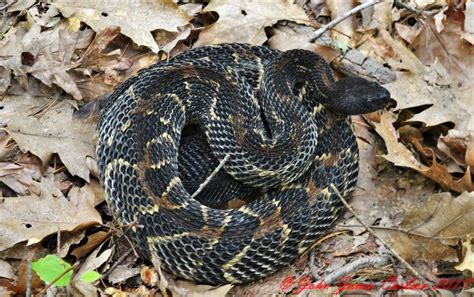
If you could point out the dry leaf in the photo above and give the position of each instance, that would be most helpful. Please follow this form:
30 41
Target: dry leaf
20 178
99 72
468 33
448 48
244 21
468 261
93 261
438 215
136 23
93 241
194 290
400 155
31 218
67 239
122 272
342 31
45 54
6 270
45 127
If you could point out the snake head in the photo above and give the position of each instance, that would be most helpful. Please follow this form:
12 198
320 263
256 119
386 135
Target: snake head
355 95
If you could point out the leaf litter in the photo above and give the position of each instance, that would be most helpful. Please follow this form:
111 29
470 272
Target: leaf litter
415 185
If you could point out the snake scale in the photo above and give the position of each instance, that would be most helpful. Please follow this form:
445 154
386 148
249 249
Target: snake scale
283 124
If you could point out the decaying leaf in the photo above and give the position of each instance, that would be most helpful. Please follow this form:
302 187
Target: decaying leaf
437 218
31 218
447 48
44 127
245 21
136 23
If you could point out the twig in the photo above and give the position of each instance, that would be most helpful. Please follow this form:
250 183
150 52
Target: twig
376 261
342 17
29 277
410 233
368 228
117 263
7 5
208 179
58 245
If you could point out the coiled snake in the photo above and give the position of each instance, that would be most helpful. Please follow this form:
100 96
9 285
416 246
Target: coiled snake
283 124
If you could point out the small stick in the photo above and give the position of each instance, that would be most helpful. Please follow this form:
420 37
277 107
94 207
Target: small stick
410 233
117 263
376 261
342 17
29 277
58 246
208 179
368 228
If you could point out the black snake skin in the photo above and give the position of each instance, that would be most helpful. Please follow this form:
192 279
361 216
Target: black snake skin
282 122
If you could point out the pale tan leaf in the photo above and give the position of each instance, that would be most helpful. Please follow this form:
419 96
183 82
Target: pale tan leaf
342 31
93 261
45 127
122 272
244 21
468 261
468 33
6 270
20 178
136 23
31 218
435 217
195 290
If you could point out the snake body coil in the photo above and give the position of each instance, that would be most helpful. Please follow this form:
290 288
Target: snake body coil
283 123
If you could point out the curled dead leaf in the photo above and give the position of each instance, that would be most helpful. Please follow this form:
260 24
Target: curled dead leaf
400 155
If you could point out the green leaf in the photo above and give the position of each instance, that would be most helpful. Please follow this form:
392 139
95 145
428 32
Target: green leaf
50 267
90 276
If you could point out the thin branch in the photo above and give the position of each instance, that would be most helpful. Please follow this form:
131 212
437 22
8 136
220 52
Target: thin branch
58 245
117 263
410 233
377 261
208 179
371 231
342 17
29 278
